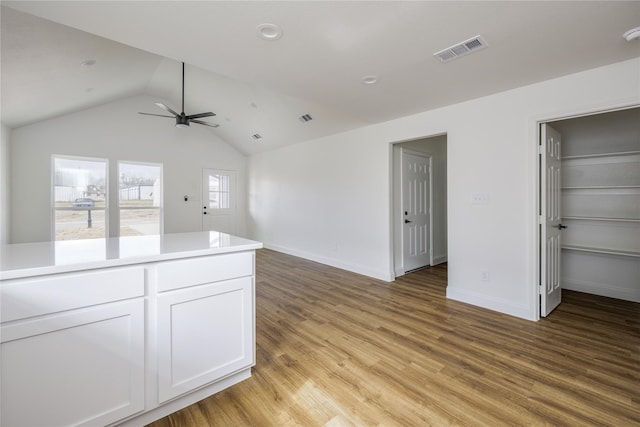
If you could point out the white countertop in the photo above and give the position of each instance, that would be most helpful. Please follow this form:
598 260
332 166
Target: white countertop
35 259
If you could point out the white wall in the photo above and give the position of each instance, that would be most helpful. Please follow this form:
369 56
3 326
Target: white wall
330 199
116 132
436 148
5 184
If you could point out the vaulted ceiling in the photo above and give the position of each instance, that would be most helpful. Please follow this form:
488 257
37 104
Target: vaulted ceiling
316 67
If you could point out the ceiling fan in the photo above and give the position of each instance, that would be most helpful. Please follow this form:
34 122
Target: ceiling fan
182 120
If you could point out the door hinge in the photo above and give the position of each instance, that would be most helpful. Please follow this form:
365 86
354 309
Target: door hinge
541 289
540 149
540 219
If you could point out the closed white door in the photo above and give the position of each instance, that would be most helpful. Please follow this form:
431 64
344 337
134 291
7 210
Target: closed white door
550 220
416 206
219 201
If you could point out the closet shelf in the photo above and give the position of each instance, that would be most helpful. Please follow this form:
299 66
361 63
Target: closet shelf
601 187
589 218
595 156
607 251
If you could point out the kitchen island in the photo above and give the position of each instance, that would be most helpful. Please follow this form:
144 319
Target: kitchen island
123 330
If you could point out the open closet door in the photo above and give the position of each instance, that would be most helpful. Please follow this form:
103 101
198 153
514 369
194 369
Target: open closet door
550 225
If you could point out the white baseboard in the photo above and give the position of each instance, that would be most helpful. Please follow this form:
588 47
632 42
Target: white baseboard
495 304
333 262
604 290
439 259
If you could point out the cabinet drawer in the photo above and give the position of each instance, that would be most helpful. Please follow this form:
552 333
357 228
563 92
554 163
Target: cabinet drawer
207 269
22 298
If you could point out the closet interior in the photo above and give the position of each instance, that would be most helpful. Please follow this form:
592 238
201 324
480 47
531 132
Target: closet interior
601 203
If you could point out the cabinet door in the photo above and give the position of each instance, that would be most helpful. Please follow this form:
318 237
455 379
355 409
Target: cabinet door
204 334
80 367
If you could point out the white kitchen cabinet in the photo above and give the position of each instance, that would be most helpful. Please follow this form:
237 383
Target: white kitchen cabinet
124 339
205 333
66 361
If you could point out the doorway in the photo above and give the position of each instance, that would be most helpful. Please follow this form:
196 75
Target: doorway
434 149
599 201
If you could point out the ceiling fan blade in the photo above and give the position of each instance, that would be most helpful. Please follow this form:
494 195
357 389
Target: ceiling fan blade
167 109
199 115
204 123
159 115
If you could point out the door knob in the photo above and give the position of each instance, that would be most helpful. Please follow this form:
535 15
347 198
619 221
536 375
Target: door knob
560 226
406 221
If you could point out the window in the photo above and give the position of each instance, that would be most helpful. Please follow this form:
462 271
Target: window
79 198
219 191
140 198
219 203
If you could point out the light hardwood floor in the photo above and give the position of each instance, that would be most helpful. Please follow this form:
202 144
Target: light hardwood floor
340 349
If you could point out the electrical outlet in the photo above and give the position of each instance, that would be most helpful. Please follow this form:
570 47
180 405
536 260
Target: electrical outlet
484 275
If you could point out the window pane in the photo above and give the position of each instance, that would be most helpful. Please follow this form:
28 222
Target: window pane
79 224
219 190
213 200
139 185
139 222
79 198
224 200
140 198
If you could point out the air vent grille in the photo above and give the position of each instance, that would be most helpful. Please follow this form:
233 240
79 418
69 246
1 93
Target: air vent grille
460 49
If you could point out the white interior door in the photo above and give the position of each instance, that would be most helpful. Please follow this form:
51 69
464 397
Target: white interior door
550 217
219 201
416 206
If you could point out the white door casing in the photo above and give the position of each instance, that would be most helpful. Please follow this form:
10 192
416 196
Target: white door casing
416 210
219 203
550 220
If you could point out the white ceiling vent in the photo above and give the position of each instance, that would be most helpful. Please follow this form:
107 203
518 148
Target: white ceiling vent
460 49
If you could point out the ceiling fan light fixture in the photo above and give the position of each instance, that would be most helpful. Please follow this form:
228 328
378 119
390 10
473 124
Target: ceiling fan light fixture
182 120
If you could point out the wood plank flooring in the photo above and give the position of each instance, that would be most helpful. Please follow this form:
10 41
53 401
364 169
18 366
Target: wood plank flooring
340 349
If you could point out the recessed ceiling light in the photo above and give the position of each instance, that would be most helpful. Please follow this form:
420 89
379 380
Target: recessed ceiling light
632 34
88 63
369 80
269 32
